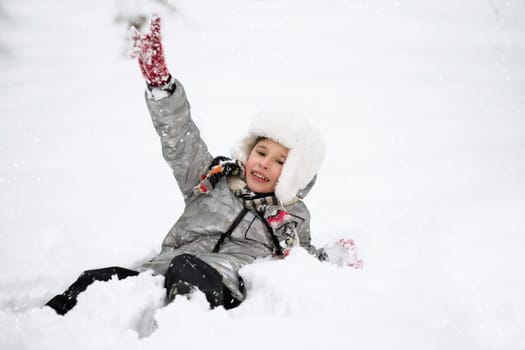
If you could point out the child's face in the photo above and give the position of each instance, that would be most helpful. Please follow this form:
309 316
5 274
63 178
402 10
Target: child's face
264 165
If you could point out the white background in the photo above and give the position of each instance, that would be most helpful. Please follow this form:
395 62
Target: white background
422 106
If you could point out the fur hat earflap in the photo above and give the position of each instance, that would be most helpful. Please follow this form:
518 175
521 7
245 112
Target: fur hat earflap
306 149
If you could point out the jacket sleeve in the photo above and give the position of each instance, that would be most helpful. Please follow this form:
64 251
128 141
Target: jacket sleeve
182 146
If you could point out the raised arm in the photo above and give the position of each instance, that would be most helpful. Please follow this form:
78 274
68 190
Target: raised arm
182 147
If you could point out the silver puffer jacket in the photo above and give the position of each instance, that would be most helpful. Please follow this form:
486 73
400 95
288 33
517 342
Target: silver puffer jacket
206 217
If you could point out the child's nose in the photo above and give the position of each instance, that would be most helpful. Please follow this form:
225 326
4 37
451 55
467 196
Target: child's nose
265 162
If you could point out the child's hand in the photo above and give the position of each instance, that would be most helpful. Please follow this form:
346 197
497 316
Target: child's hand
342 253
148 49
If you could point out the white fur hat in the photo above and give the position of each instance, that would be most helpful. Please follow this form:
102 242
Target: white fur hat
306 149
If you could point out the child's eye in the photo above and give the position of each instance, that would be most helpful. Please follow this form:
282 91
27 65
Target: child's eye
262 154
281 162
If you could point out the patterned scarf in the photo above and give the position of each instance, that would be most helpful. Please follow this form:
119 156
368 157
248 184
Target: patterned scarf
277 220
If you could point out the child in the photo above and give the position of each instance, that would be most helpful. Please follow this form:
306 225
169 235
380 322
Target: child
236 209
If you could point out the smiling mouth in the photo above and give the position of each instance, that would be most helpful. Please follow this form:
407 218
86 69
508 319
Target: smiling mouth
260 177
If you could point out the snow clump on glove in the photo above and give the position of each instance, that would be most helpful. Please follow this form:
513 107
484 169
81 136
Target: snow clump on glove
148 49
343 253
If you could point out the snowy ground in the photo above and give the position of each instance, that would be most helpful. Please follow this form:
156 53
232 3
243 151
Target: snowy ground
422 105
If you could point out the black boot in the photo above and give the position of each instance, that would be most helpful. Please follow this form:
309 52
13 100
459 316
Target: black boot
64 302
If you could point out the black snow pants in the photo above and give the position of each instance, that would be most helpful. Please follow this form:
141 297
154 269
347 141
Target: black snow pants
184 273
187 271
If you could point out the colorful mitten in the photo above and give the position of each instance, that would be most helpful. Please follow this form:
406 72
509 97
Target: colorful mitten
148 49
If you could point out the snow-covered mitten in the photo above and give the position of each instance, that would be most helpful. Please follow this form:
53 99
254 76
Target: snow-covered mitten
148 48
342 252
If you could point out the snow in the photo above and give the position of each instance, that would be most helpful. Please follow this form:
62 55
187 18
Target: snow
422 107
